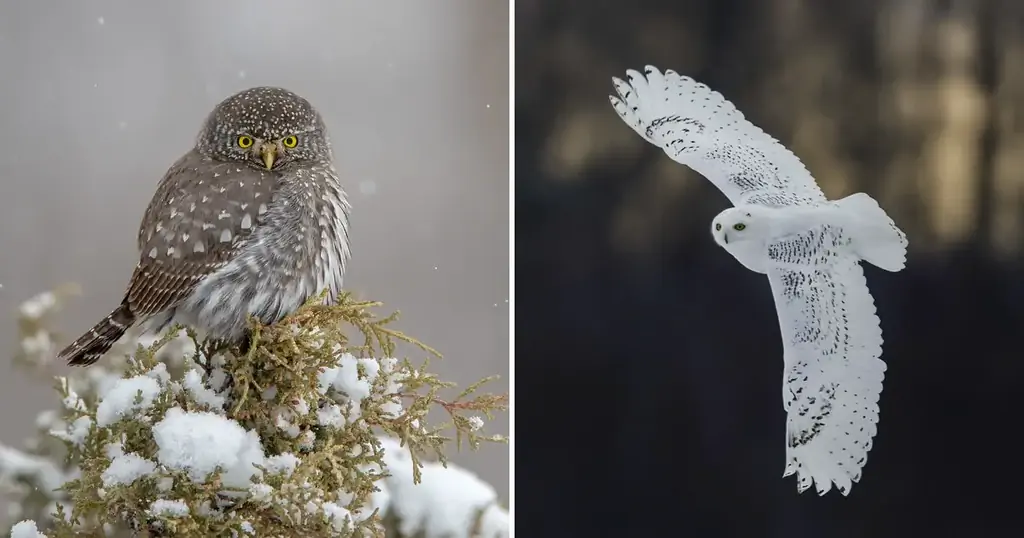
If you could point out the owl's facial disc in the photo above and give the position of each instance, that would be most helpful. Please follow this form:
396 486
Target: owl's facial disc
735 229
732 226
719 234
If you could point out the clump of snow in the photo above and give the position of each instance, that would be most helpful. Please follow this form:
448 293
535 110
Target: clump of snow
345 377
355 377
475 423
282 464
307 440
125 468
119 401
165 483
495 522
337 516
218 380
193 383
445 503
37 344
166 508
260 492
73 402
16 464
39 305
393 406
199 442
160 373
283 417
301 407
286 415
331 416
26 529
75 432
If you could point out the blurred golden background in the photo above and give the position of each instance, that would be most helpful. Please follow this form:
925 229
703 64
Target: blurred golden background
917 102
670 350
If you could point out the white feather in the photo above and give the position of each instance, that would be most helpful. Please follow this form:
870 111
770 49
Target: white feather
698 127
833 373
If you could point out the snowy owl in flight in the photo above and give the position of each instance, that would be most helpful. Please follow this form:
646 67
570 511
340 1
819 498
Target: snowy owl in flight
810 248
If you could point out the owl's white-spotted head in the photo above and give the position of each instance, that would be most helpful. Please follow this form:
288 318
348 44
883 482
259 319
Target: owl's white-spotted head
743 232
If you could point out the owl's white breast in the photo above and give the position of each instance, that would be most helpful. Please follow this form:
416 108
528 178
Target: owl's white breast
752 254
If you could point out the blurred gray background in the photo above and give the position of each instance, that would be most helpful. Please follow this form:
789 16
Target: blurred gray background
97 99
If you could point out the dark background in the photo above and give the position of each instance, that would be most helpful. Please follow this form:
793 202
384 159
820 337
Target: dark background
649 360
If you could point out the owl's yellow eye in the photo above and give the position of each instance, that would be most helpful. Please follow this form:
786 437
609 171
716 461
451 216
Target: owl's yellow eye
739 226
290 141
245 141
718 226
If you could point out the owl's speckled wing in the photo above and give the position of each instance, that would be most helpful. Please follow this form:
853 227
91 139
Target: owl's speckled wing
698 127
832 353
202 212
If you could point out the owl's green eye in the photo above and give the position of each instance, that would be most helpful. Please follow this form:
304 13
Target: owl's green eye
739 226
290 141
245 141
718 226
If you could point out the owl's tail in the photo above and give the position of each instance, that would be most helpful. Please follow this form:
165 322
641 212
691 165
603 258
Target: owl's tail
96 341
876 238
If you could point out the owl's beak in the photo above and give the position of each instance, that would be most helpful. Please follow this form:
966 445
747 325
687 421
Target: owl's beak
269 154
725 237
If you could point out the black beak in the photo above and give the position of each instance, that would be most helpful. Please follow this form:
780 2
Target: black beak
726 237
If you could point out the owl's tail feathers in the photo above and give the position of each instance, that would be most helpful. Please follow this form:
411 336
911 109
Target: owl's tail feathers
97 341
876 238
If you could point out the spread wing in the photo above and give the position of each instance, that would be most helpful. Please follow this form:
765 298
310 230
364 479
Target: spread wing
832 343
701 129
201 214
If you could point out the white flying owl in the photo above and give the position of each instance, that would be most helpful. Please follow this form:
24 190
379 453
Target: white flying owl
810 248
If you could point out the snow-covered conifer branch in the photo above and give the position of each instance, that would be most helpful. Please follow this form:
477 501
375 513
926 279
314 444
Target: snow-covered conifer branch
308 433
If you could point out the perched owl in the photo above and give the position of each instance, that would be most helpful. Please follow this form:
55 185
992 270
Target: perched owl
252 221
810 248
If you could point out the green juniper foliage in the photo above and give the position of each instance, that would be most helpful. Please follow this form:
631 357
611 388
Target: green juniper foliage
298 436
